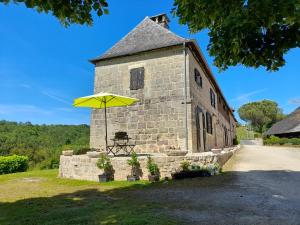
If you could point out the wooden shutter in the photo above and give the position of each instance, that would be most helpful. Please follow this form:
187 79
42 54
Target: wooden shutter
208 123
140 78
212 98
198 78
137 78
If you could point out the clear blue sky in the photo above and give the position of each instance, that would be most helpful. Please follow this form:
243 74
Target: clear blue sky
44 66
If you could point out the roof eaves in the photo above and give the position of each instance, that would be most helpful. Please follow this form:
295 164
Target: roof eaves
94 61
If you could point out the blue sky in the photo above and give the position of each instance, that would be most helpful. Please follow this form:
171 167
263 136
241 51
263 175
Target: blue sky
44 66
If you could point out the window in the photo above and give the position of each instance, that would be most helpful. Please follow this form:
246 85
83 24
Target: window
137 78
208 123
198 78
212 98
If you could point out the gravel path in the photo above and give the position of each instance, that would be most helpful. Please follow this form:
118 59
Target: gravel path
261 185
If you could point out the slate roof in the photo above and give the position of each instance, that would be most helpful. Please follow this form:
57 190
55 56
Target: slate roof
147 35
290 124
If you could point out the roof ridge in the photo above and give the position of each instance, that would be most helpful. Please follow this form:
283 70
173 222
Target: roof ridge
165 29
134 28
146 35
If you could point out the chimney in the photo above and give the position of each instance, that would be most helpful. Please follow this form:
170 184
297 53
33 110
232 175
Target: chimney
161 19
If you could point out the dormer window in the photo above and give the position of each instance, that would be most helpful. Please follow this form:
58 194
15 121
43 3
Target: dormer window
198 78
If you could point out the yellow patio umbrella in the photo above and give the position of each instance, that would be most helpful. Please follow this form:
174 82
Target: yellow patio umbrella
104 100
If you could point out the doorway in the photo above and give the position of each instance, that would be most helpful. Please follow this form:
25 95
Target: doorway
200 129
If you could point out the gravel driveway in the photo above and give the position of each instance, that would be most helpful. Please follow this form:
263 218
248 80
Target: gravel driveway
261 185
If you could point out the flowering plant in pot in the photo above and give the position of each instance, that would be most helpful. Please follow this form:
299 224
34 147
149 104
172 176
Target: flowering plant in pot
153 170
135 168
104 163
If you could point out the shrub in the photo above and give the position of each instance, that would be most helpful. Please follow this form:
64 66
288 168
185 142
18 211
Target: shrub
134 163
197 171
185 165
51 163
13 164
81 151
295 141
235 141
77 149
273 140
257 135
104 163
214 169
152 167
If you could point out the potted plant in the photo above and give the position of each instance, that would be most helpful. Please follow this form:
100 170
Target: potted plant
104 163
153 170
135 167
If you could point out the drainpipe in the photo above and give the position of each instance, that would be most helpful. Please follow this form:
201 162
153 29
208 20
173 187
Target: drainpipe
185 99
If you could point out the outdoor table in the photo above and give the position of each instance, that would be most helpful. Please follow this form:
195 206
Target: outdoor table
120 145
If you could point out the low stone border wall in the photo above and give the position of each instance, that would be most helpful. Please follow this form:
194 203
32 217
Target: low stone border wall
84 168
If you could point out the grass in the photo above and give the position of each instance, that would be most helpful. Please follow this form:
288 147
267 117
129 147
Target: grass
243 134
39 197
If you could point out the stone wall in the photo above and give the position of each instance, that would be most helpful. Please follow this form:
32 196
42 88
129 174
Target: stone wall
200 97
156 122
84 168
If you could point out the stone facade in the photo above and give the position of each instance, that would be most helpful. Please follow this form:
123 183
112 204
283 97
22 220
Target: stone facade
172 114
84 168
155 123
221 119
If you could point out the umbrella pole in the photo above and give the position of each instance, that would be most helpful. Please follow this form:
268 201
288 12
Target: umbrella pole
105 126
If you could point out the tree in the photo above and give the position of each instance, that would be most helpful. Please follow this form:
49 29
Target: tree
261 115
249 32
68 12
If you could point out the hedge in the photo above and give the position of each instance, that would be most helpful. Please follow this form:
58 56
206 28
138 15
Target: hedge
273 140
13 163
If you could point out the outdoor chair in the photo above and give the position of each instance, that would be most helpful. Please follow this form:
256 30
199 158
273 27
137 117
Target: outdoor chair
122 144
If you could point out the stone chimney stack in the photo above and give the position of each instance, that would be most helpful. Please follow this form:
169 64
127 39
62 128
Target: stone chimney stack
161 19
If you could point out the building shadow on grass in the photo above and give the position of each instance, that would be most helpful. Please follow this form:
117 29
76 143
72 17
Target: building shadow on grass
253 197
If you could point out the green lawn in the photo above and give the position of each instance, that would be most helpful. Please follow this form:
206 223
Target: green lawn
243 134
39 197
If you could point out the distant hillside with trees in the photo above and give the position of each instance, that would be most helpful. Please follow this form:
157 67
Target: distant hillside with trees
41 143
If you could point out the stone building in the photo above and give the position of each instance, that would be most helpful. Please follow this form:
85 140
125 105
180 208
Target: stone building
181 108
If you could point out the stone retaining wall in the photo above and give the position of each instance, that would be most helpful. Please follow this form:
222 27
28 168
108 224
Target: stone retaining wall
83 167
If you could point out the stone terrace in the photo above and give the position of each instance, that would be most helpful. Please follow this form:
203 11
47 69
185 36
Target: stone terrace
83 167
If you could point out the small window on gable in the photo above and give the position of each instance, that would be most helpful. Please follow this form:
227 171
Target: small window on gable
212 98
198 78
209 123
137 78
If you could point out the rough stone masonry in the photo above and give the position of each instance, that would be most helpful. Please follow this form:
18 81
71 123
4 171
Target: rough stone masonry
83 167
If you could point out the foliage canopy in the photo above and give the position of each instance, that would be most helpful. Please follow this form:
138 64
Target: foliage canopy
41 143
261 115
68 12
253 33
